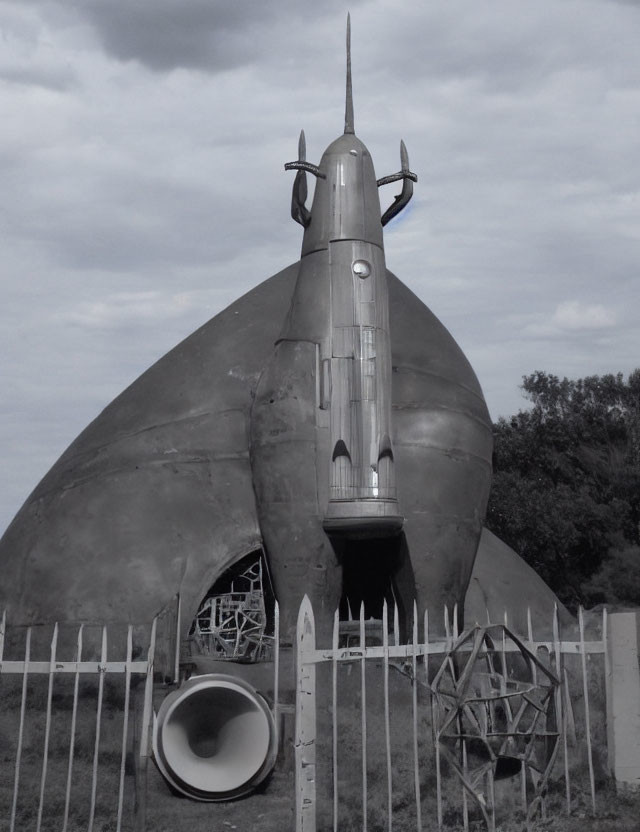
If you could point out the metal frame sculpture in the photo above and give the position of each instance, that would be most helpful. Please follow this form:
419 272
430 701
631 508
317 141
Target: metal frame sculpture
489 725
232 625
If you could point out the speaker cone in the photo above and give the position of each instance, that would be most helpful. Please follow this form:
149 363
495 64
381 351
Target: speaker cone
214 738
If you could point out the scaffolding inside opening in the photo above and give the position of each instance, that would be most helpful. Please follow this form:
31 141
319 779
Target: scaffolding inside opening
233 625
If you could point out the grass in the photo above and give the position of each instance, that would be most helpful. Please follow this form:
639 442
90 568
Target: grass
58 757
271 810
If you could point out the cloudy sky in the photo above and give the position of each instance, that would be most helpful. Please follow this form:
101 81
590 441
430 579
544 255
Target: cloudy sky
142 153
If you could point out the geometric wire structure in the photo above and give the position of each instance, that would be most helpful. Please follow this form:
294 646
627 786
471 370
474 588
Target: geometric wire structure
489 725
233 625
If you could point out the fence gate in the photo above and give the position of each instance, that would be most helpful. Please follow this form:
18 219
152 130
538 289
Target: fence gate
73 738
470 729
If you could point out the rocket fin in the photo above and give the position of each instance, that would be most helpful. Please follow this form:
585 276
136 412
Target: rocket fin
385 449
340 450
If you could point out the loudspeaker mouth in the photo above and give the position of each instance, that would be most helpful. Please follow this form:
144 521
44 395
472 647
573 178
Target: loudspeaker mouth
214 738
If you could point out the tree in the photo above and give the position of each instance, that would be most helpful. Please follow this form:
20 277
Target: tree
566 486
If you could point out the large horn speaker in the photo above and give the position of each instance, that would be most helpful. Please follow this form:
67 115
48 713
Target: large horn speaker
215 738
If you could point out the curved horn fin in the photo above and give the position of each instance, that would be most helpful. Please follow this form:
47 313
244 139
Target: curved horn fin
299 210
408 178
302 165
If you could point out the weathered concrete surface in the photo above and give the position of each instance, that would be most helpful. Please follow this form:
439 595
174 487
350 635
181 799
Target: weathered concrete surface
623 698
503 581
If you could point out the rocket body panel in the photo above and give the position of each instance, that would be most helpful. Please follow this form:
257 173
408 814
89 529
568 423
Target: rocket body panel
440 437
289 453
362 493
310 306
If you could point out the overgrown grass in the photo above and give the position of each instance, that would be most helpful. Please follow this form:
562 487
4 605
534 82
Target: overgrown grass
271 810
30 774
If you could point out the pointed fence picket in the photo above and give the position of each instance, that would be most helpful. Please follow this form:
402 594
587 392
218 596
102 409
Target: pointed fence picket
429 654
363 711
334 710
414 719
305 749
72 741
47 727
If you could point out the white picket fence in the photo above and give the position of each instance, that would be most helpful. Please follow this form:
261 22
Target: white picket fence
424 656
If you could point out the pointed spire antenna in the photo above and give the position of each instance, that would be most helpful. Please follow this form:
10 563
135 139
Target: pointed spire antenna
348 108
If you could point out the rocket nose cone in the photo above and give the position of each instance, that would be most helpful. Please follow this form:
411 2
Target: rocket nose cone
346 205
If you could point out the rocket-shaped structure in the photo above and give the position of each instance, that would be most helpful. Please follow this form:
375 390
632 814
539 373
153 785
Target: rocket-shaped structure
283 426
268 433
342 299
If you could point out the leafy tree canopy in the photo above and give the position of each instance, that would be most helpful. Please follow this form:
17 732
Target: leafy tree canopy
566 485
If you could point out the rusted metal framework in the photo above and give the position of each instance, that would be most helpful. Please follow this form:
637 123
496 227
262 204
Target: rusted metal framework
489 725
233 625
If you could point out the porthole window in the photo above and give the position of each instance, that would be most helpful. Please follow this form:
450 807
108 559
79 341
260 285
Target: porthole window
361 268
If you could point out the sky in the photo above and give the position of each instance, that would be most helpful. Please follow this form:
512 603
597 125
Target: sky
141 160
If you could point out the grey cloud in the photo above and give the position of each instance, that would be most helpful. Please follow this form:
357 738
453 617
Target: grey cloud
160 226
212 35
58 79
508 47
169 34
